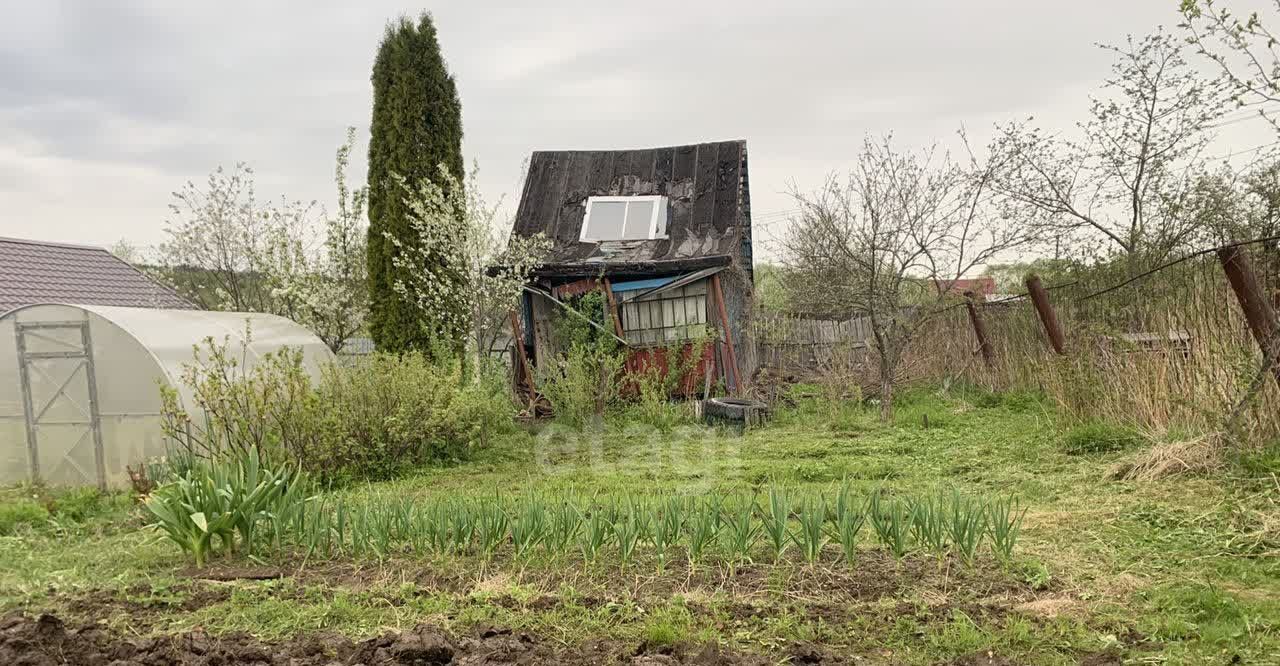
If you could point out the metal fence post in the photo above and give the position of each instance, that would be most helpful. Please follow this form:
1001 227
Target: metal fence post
979 328
1040 298
1257 308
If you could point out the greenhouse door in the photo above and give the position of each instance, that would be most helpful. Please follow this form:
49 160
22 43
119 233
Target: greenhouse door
60 402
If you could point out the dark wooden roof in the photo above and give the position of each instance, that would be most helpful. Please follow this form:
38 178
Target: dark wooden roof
708 193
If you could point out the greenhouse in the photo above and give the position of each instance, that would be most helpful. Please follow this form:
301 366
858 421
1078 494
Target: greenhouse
80 384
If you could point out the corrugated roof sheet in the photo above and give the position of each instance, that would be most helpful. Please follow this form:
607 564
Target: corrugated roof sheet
706 185
39 272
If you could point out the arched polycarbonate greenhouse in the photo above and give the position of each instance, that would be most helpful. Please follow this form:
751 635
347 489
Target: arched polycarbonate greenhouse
80 384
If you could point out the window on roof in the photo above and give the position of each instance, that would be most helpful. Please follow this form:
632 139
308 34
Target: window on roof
625 218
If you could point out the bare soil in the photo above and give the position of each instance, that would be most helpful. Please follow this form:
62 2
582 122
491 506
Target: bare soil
46 640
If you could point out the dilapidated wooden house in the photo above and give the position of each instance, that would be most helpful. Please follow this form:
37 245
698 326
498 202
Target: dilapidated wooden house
665 233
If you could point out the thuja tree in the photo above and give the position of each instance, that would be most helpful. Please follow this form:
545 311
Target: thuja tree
453 269
416 127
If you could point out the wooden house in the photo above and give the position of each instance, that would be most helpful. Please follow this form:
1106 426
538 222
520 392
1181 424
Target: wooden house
664 233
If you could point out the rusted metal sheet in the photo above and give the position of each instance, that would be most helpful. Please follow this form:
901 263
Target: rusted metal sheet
640 360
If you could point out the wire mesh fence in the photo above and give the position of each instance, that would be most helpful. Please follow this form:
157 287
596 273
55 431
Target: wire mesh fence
1167 349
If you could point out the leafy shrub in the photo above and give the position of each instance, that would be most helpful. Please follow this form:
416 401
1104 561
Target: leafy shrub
582 381
388 412
367 420
1099 437
77 504
15 514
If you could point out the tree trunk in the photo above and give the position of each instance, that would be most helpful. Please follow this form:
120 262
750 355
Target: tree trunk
886 392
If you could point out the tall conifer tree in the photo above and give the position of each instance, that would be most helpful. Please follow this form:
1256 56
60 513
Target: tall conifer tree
416 127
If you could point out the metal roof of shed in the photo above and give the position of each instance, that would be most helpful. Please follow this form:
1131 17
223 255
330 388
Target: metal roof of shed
42 272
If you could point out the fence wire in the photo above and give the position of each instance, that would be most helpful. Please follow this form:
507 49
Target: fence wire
1164 349
1167 348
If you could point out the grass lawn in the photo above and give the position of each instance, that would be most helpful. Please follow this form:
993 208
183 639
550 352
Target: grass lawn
1180 570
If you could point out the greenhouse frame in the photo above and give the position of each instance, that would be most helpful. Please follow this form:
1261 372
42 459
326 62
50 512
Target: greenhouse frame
80 395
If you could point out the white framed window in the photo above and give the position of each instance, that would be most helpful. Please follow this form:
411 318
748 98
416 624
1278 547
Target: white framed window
625 218
671 316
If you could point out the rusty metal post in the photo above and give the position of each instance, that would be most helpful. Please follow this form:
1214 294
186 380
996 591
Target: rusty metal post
517 337
979 328
1040 298
1257 307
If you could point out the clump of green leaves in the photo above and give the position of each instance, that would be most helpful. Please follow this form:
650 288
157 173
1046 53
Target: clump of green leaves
207 507
1099 437
23 512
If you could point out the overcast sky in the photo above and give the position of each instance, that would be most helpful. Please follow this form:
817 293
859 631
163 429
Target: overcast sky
106 108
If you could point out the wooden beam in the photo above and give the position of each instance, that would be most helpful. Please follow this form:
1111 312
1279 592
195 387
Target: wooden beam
1040 298
1258 312
547 295
732 361
979 328
613 307
525 366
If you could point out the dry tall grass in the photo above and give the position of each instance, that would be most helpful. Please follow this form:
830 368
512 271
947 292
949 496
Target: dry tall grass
1170 354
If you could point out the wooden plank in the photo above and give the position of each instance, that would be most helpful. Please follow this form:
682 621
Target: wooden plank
663 164
729 157
684 159
600 174
554 181
704 182
613 307
641 167
732 360
572 203
525 367
527 222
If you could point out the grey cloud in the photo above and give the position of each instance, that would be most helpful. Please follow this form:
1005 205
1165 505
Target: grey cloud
164 92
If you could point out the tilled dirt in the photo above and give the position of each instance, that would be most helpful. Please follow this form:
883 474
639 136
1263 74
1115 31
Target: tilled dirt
46 640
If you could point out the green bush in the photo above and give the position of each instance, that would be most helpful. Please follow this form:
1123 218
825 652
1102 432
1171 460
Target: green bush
581 382
15 514
1099 437
388 412
367 420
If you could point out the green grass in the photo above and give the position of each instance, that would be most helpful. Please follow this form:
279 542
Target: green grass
1183 570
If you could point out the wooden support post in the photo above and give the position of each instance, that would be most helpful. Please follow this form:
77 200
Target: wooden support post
613 307
1040 297
525 367
1257 307
979 328
732 360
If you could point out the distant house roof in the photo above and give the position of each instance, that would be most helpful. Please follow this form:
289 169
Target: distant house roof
984 285
39 272
709 202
